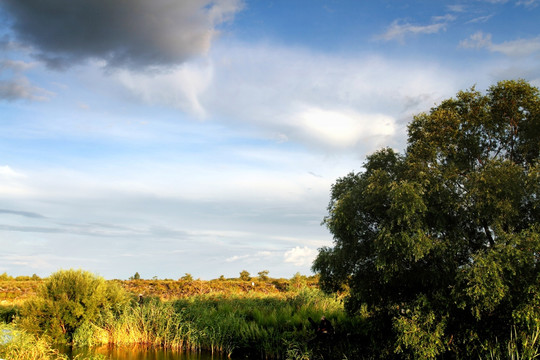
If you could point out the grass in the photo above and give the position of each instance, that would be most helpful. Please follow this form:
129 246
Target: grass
262 326
253 324
231 317
520 346
17 344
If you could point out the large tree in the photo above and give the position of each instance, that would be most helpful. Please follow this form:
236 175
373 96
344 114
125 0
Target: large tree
441 245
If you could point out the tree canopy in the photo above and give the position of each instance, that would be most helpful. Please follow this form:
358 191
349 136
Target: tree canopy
441 244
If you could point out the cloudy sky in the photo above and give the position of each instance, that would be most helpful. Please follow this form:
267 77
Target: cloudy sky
202 136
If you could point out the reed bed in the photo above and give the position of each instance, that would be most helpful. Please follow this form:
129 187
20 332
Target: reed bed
261 326
17 344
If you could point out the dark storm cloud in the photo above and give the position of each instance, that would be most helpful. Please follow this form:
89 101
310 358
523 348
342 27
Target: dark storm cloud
124 33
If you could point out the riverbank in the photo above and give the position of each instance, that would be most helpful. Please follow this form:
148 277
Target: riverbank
251 325
234 318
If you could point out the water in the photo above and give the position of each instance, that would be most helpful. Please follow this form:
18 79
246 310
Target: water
5 337
141 353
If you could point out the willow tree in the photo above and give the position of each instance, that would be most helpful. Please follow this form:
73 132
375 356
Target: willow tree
441 244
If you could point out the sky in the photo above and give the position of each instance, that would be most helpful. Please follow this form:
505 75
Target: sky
168 137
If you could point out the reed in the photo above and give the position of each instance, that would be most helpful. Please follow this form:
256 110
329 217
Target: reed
258 325
16 344
520 346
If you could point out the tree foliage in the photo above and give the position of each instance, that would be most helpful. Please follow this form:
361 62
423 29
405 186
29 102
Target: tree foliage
245 275
263 275
70 299
441 243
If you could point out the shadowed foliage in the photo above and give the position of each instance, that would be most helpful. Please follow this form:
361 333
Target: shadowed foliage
441 244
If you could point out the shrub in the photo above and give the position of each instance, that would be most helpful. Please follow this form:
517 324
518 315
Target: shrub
69 299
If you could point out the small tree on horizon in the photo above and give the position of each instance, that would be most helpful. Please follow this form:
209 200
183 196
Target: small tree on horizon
187 277
245 275
135 277
263 275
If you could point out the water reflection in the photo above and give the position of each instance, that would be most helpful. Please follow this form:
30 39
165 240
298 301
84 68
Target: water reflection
140 353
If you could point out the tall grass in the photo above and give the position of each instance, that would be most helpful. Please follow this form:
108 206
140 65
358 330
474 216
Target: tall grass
261 326
520 346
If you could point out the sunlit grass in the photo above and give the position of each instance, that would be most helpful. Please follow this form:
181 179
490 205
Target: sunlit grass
264 326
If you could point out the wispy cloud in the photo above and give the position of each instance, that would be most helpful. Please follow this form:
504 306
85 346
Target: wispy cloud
516 48
458 8
302 97
27 214
15 86
480 19
528 3
300 256
399 30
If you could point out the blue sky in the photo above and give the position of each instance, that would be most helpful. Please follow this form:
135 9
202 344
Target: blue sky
170 137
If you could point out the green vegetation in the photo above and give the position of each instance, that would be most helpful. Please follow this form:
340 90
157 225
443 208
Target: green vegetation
224 316
16 344
440 246
136 276
70 300
245 275
263 275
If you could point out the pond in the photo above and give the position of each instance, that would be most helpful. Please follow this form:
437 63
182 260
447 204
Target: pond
141 353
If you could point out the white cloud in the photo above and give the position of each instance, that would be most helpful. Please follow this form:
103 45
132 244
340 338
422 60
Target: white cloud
480 19
519 47
528 3
6 173
456 8
28 261
299 92
477 40
300 256
236 258
399 30
515 48
344 128
179 88
321 101
13 183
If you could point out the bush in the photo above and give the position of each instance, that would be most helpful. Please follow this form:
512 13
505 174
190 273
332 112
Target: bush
70 299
